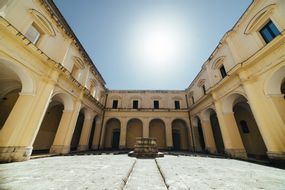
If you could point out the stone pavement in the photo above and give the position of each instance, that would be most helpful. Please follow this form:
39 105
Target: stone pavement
122 172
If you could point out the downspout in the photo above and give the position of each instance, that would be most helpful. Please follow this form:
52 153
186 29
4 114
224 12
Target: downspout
102 123
191 129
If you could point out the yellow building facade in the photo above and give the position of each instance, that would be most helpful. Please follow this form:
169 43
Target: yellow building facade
53 99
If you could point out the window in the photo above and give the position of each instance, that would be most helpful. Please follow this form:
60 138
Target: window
177 104
156 104
223 71
243 126
115 104
269 32
204 89
75 72
33 34
192 98
135 104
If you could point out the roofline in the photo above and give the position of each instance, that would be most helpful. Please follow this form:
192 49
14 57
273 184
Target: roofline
62 20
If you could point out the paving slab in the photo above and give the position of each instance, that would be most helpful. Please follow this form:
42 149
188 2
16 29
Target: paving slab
145 175
67 172
201 173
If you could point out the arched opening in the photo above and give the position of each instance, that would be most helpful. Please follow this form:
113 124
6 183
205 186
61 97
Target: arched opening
112 134
157 130
217 132
77 131
180 135
134 130
249 132
48 128
92 133
275 88
198 131
10 87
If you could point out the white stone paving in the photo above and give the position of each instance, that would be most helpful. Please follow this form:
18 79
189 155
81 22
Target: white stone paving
67 172
199 173
145 175
104 172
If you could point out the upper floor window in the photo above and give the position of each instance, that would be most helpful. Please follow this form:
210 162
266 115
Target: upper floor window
115 104
135 104
75 71
33 34
223 71
204 89
192 98
269 32
156 104
177 104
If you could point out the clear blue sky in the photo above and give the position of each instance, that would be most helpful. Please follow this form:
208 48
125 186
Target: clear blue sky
150 44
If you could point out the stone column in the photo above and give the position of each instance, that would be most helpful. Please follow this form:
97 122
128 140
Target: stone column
145 127
208 136
86 130
231 136
123 133
21 127
271 126
97 133
61 143
168 128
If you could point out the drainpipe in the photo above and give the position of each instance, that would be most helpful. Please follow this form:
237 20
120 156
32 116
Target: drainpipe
191 129
102 123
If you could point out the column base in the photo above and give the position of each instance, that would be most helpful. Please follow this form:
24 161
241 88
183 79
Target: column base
211 150
59 149
15 153
82 147
236 153
94 147
122 147
277 158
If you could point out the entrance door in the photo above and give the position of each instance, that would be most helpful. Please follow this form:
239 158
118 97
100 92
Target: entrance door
116 140
176 141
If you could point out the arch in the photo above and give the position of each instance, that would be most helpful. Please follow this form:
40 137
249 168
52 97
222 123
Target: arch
43 22
275 88
157 130
201 82
232 99
248 128
77 130
218 62
199 133
65 99
134 130
218 138
23 77
112 134
259 18
180 135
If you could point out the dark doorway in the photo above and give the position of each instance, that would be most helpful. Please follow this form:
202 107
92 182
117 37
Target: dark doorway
116 139
217 133
77 131
176 140
92 134
201 136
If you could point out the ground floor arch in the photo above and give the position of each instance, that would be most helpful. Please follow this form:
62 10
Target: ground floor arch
248 129
157 130
199 136
216 132
92 133
180 135
134 130
77 131
112 134
48 128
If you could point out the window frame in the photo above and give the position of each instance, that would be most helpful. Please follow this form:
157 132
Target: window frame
155 104
270 30
115 104
137 104
177 104
223 71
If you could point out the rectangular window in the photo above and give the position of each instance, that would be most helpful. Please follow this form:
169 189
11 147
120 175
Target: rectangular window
135 104
177 104
269 32
115 104
204 89
223 71
33 34
156 104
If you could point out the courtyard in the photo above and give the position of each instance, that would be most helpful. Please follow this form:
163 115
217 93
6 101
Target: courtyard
123 172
